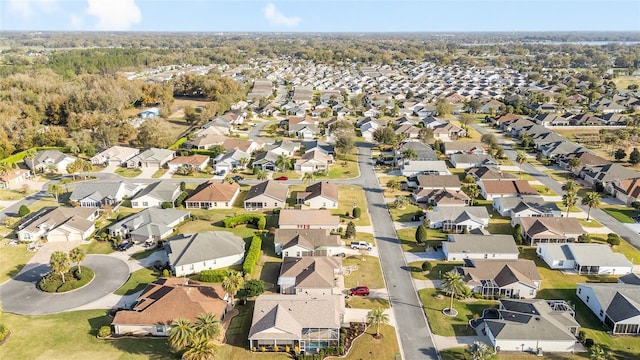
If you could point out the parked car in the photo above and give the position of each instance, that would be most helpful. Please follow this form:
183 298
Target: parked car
236 178
359 290
282 178
125 246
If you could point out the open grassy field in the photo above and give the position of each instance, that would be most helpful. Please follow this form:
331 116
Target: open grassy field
623 81
403 214
368 273
14 258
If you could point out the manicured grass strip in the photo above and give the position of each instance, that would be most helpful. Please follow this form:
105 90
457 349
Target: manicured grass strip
622 214
13 259
130 173
365 302
137 282
368 273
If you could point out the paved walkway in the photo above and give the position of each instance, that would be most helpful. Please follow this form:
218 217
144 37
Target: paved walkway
427 284
422 256
450 342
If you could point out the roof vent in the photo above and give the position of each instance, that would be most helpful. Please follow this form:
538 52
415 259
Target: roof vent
538 318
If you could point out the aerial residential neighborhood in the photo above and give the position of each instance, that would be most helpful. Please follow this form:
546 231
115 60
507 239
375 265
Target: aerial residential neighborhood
203 196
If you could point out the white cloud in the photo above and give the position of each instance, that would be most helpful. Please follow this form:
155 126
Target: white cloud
28 8
277 18
114 14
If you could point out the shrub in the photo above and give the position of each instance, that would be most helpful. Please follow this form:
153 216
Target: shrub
636 205
421 234
517 234
469 179
581 335
477 295
244 219
167 205
350 233
52 282
426 266
584 238
4 331
183 195
214 276
261 223
165 273
356 212
588 343
251 288
613 239
183 186
253 255
23 210
104 331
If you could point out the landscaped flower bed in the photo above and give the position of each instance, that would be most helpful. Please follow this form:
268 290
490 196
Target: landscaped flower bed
74 279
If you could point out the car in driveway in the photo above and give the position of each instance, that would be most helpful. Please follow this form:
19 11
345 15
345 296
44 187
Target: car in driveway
237 178
359 291
125 246
282 178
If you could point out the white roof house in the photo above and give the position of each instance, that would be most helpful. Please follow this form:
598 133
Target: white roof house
467 246
584 258
615 305
115 155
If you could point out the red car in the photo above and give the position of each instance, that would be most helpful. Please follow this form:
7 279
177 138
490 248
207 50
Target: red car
359 290
282 178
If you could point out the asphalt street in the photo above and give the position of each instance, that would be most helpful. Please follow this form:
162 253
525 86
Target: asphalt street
20 295
597 214
412 326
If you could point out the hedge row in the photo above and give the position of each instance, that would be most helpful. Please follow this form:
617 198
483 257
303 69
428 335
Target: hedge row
213 276
253 255
256 219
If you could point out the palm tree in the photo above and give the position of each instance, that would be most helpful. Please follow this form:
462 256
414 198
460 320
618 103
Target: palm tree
5 168
453 284
30 155
181 334
54 189
521 158
479 351
207 327
201 349
570 187
569 200
66 181
574 163
243 162
283 163
400 202
472 191
232 283
60 264
308 178
77 255
377 317
261 174
408 154
591 199
393 184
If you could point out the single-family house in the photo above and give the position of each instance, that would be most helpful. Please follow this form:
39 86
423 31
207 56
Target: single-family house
627 190
269 194
459 218
191 253
14 178
617 306
448 132
151 158
323 194
115 155
607 174
629 279
312 161
45 160
309 322
284 147
266 160
155 194
304 131
248 146
150 224
167 299
96 194
537 230
205 141
310 275
465 160
195 161
535 326
585 158
489 173
216 126
308 219
491 189
419 150
526 206
471 246
515 279
465 147
59 224
234 159
441 197
417 167
213 195
307 242
584 258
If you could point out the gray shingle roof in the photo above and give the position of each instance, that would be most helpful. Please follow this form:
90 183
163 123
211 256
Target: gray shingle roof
482 244
187 249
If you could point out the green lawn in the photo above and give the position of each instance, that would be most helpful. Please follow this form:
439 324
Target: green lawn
621 213
407 238
589 224
350 196
543 190
369 272
130 173
440 267
416 270
196 175
98 247
574 209
7 195
364 302
624 248
137 281
345 167
159 173
462 354
14 258
405 214
559 175
72 335
391 193
368 347
434 302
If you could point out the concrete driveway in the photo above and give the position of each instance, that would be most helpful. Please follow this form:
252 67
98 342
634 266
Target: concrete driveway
20 295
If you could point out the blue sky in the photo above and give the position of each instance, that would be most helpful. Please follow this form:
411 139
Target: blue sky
321 16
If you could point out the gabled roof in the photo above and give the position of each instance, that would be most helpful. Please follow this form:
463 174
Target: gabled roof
167 299
270 188
76 218
510 187
150 221
161 190
325 189
43 157
459 214
467 243
621 301
490 173
266 157
308 217
185 249
153 154
98 190
439 181
307 238
193 160
215 191
550 227
503 272
311 271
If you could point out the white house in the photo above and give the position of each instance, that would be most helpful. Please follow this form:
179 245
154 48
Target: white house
192 253
151 158
417 167
584 258
615 305
307 242
115 155
323 194
466 246
149 224
46 159
225 163
196 162
459 218
155 194
99 193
